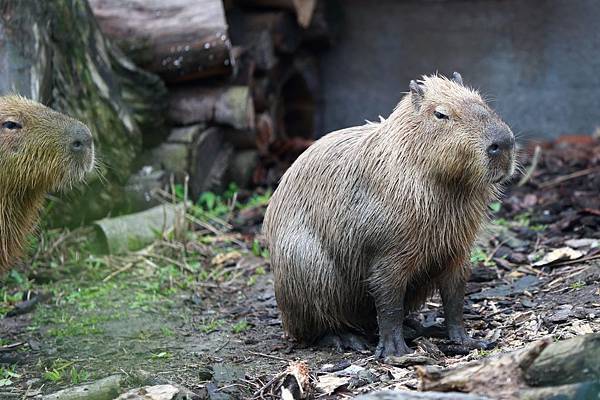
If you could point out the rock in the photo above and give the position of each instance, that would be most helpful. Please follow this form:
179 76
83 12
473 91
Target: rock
227 373
104 389
562 314
159 392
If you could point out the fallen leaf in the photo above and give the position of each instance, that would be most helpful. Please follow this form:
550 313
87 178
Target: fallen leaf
561 254
330 383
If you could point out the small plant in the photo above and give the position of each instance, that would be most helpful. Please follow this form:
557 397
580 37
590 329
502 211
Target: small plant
478 255
53 375
6 376
258 250
78 376
212 326
240 326
167 332
577 285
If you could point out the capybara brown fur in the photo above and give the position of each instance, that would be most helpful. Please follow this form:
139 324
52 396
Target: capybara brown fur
370 220
40 150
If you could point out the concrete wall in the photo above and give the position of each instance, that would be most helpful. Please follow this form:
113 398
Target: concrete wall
538 60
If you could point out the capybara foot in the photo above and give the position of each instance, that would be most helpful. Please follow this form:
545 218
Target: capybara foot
391 345
461 338
344 341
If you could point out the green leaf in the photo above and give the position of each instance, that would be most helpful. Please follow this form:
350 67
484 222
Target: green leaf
495 206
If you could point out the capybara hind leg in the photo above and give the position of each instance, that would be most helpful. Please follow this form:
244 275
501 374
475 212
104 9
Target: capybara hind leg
344 341
452 292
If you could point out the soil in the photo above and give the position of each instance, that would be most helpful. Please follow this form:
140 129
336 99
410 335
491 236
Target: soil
213 325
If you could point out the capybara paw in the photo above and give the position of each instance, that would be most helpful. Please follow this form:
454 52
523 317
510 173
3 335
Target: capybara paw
391 346
468 342
344 341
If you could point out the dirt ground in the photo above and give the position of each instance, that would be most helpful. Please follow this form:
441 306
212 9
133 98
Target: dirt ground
208 320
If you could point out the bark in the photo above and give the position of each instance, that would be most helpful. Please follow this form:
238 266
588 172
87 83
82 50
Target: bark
55 53
568 367
228 105
202 154
303 9
177 39
567 362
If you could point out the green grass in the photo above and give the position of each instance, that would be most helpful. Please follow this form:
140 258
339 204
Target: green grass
241 326
577 285
211 326
8 375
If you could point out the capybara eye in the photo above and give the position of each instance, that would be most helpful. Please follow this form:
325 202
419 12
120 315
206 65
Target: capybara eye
440 115
11 125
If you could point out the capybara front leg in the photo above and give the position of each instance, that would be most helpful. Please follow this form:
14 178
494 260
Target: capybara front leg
390 316
452 292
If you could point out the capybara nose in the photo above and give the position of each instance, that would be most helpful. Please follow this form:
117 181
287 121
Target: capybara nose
81 138
502 141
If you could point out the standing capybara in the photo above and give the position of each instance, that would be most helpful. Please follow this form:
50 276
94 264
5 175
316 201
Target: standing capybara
370 220
40 150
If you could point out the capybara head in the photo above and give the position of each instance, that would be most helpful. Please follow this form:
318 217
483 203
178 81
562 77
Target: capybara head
40 149
468 141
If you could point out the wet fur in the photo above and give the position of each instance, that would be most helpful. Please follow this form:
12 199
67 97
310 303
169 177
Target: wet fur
33 161
370 208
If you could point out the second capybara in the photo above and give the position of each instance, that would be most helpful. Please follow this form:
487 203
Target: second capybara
370 220
40 150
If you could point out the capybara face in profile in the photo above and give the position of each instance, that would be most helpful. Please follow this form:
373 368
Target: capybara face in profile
471 142
40 150
370 220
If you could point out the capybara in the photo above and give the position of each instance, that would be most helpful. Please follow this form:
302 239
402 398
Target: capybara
40 150
370 220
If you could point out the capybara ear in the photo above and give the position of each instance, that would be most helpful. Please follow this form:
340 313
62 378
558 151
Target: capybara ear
417 93
456 77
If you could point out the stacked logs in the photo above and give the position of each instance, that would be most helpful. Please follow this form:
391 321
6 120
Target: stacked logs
242 79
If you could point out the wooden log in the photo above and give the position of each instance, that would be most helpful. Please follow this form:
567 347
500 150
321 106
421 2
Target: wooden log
67 63
585 390
562 366
177 39
569 361
258 44
141 191
281 26
408 395
202 154
242 167
303 9
228 105
296 99
210 158
325 25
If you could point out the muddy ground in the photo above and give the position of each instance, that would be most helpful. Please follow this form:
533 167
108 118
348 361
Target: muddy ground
200 311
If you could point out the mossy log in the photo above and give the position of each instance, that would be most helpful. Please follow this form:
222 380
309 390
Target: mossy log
544 369
177 39
54 52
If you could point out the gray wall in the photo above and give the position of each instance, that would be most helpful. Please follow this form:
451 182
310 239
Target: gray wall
538 61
